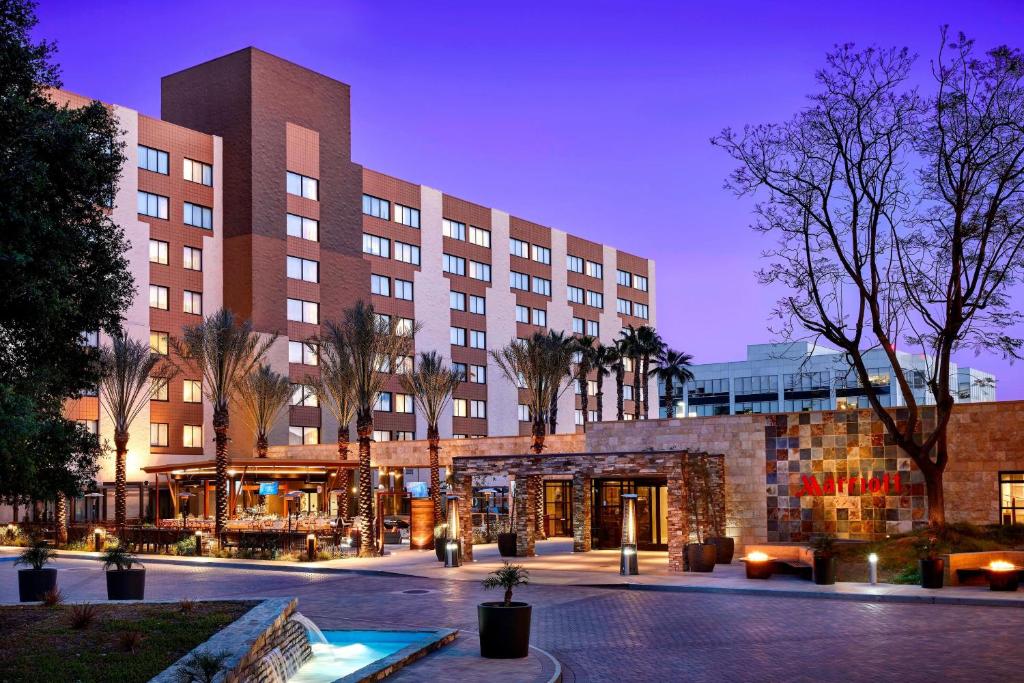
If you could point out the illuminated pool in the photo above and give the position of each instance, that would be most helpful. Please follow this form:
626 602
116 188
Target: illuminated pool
348 651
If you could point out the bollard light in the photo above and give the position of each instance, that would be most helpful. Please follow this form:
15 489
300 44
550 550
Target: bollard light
199 542
97 539
453 544
873 569
627 553
311 547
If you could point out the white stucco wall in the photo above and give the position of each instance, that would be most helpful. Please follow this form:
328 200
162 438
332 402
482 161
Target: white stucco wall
502 395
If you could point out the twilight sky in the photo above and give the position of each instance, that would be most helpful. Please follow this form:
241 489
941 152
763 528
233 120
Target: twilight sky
591 117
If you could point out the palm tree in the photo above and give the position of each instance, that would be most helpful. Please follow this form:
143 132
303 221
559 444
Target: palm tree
618 366
649 345
131 376
374 344
335 389
630 347
432 385
583 348
262 395
603 361
673 366
222 351
560 347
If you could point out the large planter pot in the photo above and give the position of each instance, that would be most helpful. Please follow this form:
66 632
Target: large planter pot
439 546
824 570
700 557
507 544
726 548
504 631
932 572
126 584
33 584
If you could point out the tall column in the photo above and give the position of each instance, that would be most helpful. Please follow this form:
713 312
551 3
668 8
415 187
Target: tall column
678 525
581 509
524 500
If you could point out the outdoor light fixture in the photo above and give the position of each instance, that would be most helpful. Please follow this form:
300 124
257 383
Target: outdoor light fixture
627 554
311 547
873 569
453 545
97 539
1002 575
758 565
199 542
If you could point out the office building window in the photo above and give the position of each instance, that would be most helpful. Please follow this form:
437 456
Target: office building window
540 317
380 285
383 403
460 407
478 374
756 407
299 436
575 294
403 365
91 339
303 311
624 306
154 160
477 339
477 304
403 289
456 301
304 395
640 282
478 409
192 391
152 205
375 206
304 228
159 392
406 215
91 426
303 353
403 403
577 325
197 172
457 335
462 370
376 246
523 411
380 435
192 302
158 252
624 278
595 299
456 265
480 271
158 297
541 286
192 258
303 269
640 311
198 216
593 328
541 254
407 253
518 280
519 248
404 436
479 236
157 433
453 229
302 186
574 264
158 342
192 436
523 314
627 392
595 270
577 417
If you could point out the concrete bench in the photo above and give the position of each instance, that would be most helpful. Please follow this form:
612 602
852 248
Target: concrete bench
968 569
787 558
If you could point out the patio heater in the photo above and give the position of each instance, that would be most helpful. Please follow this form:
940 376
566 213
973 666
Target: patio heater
627 553
309 490
453 543
293 496
488 493
94 497
183 503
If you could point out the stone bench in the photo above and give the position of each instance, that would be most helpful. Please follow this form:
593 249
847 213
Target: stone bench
787 558
968 569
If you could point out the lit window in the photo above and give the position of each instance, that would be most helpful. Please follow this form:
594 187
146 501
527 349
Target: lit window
152 205
304 228
157 433
158 252
304 395
158 342
158 297
381 435
159 392
640 282
303 436
479 236
192 258
453 229
192 303
303 269
198 216
407 253
478 305
524 413
403 403
376 246
197 172
404 327
154 160
302 186
460 407
577 417
192 391
303 353
375 206
406 215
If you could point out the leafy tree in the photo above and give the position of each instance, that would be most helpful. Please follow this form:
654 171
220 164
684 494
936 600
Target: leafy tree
673 367
262 395
900 221
62 265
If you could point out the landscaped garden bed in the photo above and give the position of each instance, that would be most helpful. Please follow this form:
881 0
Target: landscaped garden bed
118 643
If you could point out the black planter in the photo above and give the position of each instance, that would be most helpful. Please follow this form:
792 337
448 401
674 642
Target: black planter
825 570
726 547
504 631
33 584
439 544
931 572
700 557
760 570
507 544
126 584
1003 581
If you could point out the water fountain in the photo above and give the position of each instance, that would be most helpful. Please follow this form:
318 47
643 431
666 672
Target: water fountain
316 636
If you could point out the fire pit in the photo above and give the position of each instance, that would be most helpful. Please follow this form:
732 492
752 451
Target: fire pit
759 565
1002 575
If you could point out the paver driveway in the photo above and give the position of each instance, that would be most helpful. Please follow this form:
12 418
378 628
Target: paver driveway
613 635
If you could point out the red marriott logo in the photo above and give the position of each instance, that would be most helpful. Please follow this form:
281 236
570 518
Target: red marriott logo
849 486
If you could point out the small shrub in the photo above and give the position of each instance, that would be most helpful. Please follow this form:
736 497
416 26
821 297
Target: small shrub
824 545
508 577
82 616
202 667
119 557
911 574
130 640
186 606
37 555
186 546
53 597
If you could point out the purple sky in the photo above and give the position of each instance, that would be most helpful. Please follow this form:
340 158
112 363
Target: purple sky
592 117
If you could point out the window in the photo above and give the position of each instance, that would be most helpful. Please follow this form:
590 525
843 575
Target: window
403 365
304 395
298 436
591 387
640 282
524 413
403 289
158 342
192 436
158 297
152 205
627 392
577 417
406 253
91 426
575 294
403 403
595 299
376 246
158 252
404 327
540 317
157 433
375 206
457 335
303 269
624 278
380 285
627 364
624 306
154 160
541 254
479 236
462 370
159 389
522 314
480 271
381 435
453 229
192 258
192 303
192 391
519 248
91 339
595 270
305 228
460 407
456 301
198 216
303 353
404 436
478 374
406 215
519 280
455 265
303 311
593 328
640 310
477 304
478 409
477 339
577 325
302 186
383 403
574 264
197 172
541 286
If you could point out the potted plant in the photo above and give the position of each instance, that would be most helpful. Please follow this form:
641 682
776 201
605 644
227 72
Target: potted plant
699 556
38 579
931 566
725 546
124 581
505 626
440 533
506 538
824 548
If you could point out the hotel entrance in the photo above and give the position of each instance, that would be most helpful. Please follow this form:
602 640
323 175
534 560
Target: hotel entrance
651 512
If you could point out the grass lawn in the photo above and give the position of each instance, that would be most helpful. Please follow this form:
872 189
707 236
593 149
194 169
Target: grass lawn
40 644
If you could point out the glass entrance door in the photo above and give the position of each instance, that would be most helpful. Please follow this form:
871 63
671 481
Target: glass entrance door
651 512
558 508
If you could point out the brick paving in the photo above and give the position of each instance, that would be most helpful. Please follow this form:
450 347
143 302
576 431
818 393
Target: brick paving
601 634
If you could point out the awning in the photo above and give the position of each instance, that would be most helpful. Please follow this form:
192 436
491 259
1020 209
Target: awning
253 466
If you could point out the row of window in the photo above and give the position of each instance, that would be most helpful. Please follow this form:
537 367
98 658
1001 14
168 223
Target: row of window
530 251
159 297
589 327
157 161
457 302
578 295
456 265
457 230
192 390
191 435
381 208
575 264
628 279
627 307
382 286
527 283
536 316
298 436
155 206
381 246
477 338
159 252
476 374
